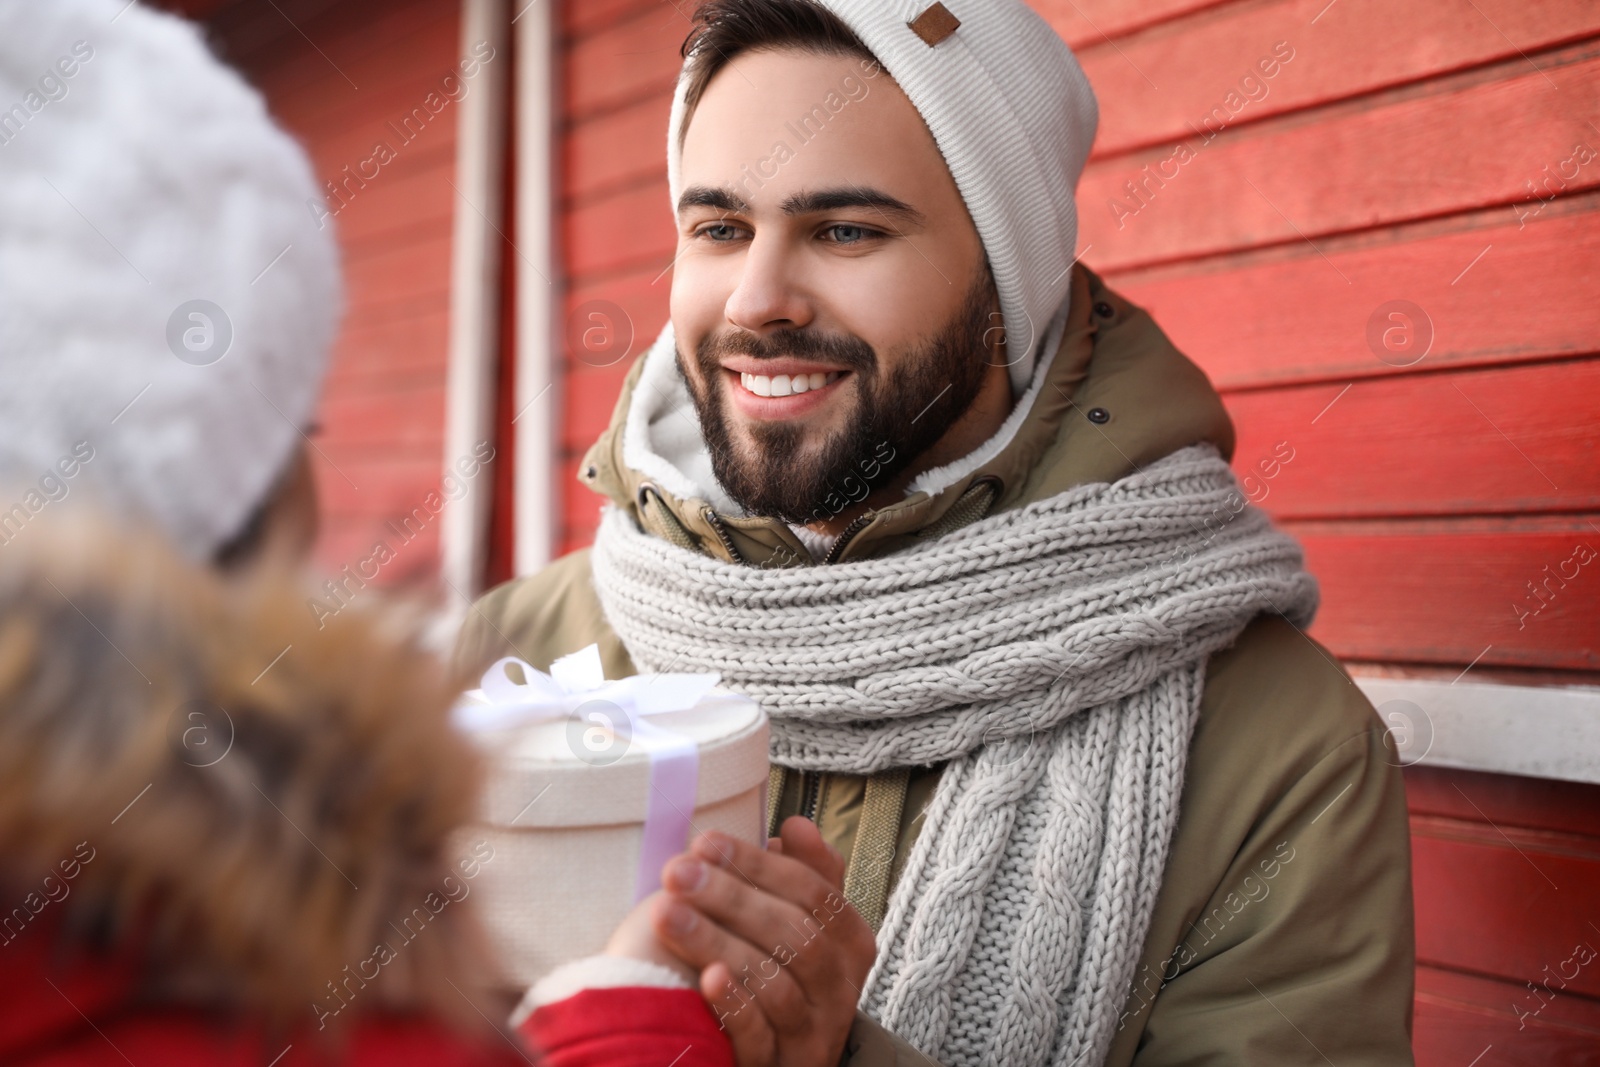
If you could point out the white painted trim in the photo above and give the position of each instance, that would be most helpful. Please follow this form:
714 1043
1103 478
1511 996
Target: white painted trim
1541 732
474 295
537 422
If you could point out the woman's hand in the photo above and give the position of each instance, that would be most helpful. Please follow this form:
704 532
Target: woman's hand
635 938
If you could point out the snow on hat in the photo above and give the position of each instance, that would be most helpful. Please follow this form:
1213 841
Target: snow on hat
1012 113
167 298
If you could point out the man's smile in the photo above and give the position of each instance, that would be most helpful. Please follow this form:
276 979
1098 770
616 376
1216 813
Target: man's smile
783 388
786 385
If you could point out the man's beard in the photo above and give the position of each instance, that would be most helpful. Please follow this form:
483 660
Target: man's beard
895 420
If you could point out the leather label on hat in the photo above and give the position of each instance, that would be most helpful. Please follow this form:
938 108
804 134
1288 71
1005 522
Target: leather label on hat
934 24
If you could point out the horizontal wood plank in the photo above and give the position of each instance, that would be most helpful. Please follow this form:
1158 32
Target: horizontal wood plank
624 63
1221 67
395 419
393 486
1352 168
580 505
1508 902
1458 591
630 230
353 175
423 241
588 399
1502 440
375 305
611 152
402 115
400 377
329 79
1461 1019
622 318
1083 24
412 271
349 542
622 51
1504 800
401 344
1493 287
588 17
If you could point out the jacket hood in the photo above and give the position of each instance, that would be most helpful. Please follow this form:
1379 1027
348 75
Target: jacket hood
207 794
1106 357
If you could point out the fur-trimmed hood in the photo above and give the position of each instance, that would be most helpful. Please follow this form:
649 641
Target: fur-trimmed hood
240 809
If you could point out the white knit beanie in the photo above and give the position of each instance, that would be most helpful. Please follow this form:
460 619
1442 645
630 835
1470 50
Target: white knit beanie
1013 115
167 298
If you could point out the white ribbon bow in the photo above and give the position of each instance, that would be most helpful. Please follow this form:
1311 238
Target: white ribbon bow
576 690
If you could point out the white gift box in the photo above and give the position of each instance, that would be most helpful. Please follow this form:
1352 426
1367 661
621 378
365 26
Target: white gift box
592 786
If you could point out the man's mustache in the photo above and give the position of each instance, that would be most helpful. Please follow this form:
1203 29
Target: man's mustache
849 352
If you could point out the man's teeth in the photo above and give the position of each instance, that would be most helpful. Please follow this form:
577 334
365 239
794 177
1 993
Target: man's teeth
786 385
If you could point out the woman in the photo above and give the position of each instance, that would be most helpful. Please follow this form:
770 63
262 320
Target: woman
232 835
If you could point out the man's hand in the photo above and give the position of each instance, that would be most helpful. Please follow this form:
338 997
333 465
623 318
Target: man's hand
782 955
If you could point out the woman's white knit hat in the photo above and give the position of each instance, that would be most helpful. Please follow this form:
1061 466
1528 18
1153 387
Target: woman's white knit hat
1013 115
167 298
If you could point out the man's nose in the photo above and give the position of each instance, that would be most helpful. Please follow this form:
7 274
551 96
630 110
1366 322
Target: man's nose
768 295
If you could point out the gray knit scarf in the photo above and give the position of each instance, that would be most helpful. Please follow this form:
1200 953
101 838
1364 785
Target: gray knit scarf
1055 655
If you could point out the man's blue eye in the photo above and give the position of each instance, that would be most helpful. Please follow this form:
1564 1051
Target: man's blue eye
861 233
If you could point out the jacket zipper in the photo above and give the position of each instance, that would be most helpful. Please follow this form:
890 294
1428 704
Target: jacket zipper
859 523
811 793
722 535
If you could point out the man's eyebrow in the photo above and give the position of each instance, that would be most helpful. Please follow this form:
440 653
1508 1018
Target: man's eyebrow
712 197
806 203
812 203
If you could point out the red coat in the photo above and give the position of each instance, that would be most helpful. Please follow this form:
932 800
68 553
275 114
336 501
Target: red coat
59 1012
260 840
253 839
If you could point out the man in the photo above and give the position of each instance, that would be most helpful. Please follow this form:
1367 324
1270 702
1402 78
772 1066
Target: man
960 517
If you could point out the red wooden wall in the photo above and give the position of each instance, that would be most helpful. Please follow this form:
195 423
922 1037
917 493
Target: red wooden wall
343 76
1444 153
